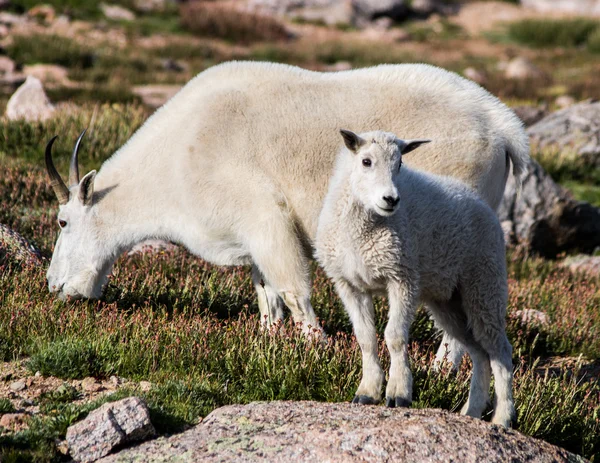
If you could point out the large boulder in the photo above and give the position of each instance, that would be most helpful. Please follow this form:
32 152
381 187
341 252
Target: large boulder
573 7
574 130
546 219
313 431
29 102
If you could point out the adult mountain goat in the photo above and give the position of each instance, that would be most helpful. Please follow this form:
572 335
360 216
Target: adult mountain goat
236 165
415 237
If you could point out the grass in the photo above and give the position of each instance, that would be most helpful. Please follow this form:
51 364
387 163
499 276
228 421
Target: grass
191 328
577 173
541 33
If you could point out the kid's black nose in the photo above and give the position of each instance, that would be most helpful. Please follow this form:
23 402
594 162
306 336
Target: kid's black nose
391 201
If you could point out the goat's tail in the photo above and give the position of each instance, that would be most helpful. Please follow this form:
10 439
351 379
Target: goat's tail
517 152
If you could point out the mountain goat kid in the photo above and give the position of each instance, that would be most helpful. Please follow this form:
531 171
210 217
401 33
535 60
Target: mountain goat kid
417 237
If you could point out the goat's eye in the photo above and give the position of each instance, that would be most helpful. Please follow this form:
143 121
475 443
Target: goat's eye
62 223
366 162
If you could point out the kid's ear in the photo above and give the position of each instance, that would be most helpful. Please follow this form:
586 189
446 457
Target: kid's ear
411 145
351 140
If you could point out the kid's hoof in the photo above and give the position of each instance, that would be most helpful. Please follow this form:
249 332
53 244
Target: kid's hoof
363 400
399 402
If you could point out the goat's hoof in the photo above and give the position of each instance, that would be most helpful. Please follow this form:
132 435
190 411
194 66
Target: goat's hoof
364 400
397 402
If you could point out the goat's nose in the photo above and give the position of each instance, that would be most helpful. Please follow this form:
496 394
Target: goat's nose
391 201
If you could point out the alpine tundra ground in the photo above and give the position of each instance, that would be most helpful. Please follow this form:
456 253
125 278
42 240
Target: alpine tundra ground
184 334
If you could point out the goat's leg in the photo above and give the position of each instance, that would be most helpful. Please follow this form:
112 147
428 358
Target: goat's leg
279 256
360 309
451 351
270 304
403 304
451 317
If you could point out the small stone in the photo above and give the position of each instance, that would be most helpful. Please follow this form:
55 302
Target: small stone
46 73
474 75
583 263
339 66
564 101
114 381
532 317
7 65
174 65
156 95
521 68
117 12
29 102
26 403
37 374
14 421
18 386
11 19
44 12
90 384
145 386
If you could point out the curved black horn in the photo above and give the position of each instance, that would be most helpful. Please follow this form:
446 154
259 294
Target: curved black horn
59 187
74 167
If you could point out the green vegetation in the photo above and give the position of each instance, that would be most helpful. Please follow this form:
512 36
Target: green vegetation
556 33
6 405
192 330
577 173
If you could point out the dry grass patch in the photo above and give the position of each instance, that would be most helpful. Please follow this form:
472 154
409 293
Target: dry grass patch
220 20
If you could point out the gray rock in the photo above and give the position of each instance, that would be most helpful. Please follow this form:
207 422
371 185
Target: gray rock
7 65
94 437
117 12
368 10
18 386
133 417
546 219
14 421
90 384
475 75
564 101
521 68
150 6
583 263
109 426
156 95
575 129
531 114
16 248
574 7
313 432
29 102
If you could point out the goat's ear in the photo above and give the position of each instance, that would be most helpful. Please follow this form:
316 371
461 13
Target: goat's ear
86 188
410 145
351 140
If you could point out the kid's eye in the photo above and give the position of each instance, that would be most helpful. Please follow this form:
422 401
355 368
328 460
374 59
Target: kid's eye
62 223
366 162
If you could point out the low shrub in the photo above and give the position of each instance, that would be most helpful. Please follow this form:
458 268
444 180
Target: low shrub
211 19
553 33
